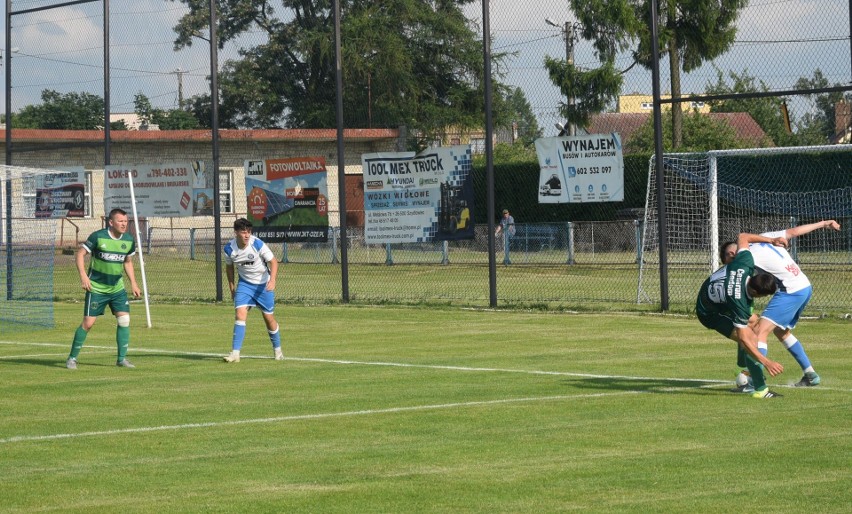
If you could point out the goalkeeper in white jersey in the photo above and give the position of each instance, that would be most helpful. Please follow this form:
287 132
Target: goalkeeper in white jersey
257 269
794 291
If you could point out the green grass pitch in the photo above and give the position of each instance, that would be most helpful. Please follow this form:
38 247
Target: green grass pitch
412 409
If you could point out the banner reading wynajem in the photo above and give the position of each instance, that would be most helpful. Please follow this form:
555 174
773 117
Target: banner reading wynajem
410 198
576 169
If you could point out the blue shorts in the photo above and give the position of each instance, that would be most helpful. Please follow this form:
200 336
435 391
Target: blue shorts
250 295
784 309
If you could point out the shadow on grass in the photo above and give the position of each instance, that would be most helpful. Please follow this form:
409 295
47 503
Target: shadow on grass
646 385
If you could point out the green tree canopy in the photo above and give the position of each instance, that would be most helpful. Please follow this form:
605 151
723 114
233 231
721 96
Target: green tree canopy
404 62
820 122
521 113
700 134
69 111
691 32
766 111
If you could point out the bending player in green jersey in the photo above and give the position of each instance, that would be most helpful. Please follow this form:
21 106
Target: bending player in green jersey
725 302
110 250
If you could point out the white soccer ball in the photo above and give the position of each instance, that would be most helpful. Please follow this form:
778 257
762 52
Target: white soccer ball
743 378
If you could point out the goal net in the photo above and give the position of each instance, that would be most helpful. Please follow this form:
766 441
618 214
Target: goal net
27 248
711 197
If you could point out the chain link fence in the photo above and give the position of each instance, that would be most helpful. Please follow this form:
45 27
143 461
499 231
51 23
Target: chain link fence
792 56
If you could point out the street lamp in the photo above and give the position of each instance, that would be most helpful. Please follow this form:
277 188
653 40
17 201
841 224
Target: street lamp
568 34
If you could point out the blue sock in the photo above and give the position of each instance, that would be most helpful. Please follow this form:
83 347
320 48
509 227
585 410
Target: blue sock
239 335
798 353
275 337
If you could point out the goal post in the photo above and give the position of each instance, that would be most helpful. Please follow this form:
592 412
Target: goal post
27 247
711 197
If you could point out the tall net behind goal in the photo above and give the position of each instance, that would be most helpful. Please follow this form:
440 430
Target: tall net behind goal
27 248
711 197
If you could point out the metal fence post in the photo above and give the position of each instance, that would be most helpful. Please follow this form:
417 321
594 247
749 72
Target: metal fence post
637 225
388 255
570 243
192 244
445 257
334 259
794 250
284 259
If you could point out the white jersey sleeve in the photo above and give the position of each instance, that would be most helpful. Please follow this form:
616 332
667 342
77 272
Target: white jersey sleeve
250 261
777 262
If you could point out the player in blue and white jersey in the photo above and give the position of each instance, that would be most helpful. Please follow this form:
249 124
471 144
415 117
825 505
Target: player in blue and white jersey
794 291
257 269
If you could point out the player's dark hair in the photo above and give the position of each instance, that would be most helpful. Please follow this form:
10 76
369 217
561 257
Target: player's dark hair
723 250
763 284
242 224
115 211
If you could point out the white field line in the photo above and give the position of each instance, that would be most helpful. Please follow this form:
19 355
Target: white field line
396 364
306 417
710 382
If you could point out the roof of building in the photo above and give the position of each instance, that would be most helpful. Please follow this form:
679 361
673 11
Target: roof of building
626 124
315 135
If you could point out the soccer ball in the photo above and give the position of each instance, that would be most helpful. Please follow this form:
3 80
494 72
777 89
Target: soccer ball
743 378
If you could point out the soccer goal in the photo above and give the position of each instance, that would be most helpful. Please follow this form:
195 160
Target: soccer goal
27 248
711 197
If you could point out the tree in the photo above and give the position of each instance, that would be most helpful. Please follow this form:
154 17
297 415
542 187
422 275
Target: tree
69 111
767 111
700 134
822 120
521 113
691 32
173 119
592 90
404 62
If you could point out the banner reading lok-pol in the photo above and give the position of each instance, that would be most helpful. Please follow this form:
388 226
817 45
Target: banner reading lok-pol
169 189
410 198
577 169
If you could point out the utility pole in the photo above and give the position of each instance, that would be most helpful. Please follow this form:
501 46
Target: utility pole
568 34
179 72
569 58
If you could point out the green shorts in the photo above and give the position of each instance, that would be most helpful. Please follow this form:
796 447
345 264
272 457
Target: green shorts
718 322
95 303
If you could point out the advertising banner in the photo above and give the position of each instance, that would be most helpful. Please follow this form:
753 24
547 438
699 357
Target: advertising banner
61 194
576 169
287 199
411 198
170 189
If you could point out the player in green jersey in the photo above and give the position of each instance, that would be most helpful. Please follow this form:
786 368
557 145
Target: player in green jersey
725 303
110 250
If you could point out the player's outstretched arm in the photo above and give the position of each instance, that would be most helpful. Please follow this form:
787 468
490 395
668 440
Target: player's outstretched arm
744 239
804 229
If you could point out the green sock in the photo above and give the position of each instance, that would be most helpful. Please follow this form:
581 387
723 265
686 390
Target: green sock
122 338
77 345
741 357
756 371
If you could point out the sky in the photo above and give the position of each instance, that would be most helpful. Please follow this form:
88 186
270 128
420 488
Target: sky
778 42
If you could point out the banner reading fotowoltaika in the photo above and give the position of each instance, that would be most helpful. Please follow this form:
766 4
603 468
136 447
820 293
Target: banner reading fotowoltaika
576 169
61 194
287 199
411 198
170 189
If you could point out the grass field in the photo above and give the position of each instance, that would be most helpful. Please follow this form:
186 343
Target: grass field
408 409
